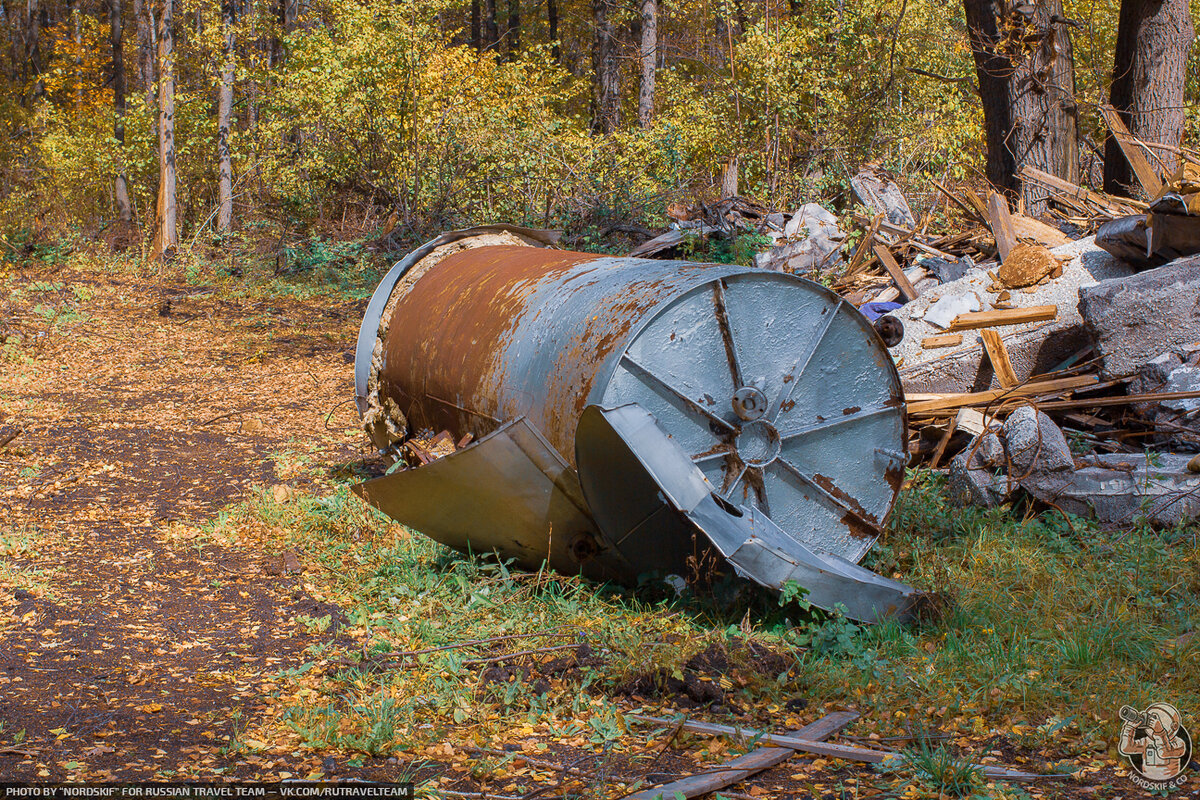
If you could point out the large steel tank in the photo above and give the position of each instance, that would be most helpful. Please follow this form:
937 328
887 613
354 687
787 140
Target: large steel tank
629 414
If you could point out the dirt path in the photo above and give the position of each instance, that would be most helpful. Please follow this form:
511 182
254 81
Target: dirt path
128 647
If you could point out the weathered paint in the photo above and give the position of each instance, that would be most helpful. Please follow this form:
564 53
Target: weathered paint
495 333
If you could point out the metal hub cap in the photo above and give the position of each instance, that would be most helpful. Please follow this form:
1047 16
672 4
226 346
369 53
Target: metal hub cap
749 403
758 444
782 395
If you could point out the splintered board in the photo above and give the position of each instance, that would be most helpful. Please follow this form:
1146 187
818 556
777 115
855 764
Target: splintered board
1007 316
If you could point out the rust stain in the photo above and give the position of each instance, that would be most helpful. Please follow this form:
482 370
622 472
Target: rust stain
865 519
851 410
449 332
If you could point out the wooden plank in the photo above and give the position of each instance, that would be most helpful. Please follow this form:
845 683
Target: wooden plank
977 203
1145 174
971 421
940 450
948 340
1029 228
1096 402
998 355
860 754
739 769
956 401
893 269
1002 229
1003 316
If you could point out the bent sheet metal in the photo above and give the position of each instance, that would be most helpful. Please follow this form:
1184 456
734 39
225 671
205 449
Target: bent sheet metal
633 415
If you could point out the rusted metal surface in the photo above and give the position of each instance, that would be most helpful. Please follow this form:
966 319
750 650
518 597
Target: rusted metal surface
780 394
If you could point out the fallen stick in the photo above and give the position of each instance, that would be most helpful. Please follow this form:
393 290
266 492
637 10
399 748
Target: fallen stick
757 760
842 751
998 355
8 437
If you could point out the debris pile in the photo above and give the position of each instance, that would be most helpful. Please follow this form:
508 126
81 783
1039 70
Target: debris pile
1015 330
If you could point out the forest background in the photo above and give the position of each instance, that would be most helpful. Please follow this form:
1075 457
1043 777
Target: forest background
270 125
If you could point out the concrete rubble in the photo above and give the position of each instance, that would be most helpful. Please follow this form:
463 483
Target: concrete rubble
1135 318
1029 452
809 245
1033 348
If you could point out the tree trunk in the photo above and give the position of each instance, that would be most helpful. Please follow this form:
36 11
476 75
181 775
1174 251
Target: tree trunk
649 57
476 23
224 116
514 29
606 95
166 237
1027 85
143 14
552 18
493 28
116 40
1149 72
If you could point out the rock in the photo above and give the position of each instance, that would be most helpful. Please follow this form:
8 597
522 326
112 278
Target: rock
881 194
1034 444
1033 348
811 220
975 474
1133 319
1027 265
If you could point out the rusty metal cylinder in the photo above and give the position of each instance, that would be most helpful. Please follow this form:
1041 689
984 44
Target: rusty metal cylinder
777 389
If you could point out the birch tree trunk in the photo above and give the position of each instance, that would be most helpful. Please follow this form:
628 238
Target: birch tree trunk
166 237
116 40
649 59
224 117
1149 73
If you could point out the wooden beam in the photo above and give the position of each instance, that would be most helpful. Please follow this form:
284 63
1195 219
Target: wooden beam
998 355
956 401
860 754
1003 316
1110 204
1002 229
934 342
893 269
739 769
1145 174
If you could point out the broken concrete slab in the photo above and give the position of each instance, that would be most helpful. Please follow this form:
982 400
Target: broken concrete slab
1033 348
881 194
1132 319
1125 488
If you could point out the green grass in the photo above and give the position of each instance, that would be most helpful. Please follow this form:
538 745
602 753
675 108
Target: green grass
1047 627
